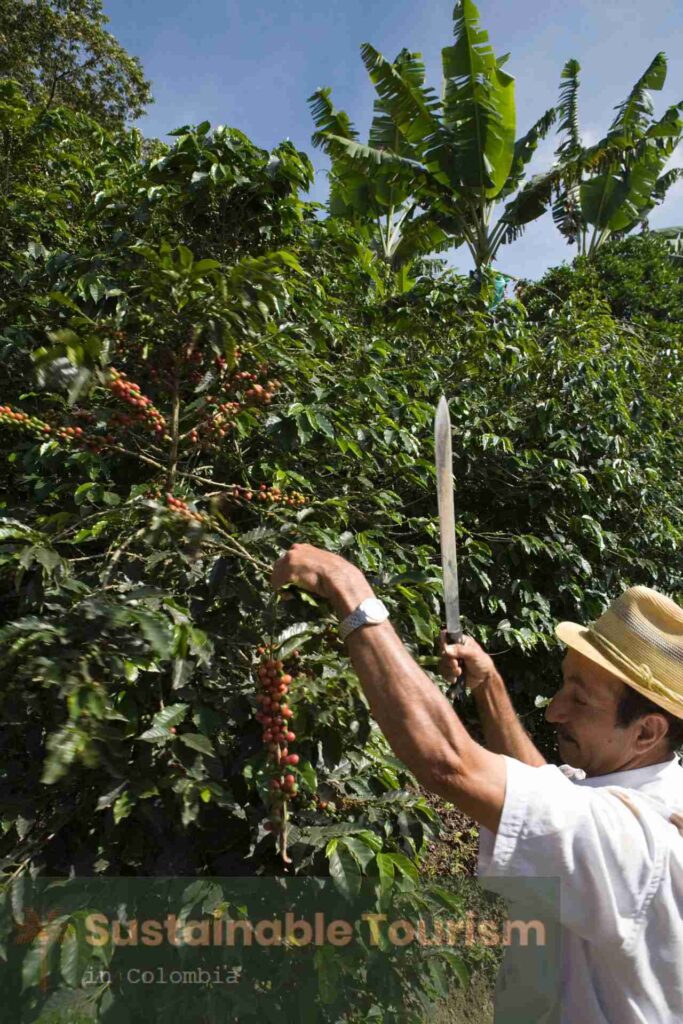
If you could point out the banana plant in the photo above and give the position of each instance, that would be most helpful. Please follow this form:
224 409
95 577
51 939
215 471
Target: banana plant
435 168
381 205
610 188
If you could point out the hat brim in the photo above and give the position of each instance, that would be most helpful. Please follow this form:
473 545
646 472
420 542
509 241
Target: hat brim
578 638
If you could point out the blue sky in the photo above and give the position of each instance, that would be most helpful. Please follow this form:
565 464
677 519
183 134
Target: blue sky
252 65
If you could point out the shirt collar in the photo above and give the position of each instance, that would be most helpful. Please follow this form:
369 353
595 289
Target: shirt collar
633 778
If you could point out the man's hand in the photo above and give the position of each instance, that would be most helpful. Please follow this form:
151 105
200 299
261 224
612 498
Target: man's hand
503 731
322 573
420 725
479 667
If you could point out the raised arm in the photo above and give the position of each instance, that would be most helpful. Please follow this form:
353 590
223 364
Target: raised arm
421 726
503 731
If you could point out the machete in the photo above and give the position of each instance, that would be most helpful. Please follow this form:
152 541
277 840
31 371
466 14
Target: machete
449 560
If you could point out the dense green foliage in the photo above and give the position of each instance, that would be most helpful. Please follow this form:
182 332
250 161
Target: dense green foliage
637 277
130 744
196 372
563 427
62 55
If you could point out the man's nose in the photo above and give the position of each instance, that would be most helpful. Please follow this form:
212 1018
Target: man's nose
556 710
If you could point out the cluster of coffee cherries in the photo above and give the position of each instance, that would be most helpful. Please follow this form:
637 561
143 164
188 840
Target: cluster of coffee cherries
180 506
270 494
223 370
259 393
89 419
145 411
219 420
76 435
22 419
220 410
193 363
262 394
274 716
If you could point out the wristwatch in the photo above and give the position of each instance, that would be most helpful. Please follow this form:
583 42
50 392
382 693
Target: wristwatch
369 612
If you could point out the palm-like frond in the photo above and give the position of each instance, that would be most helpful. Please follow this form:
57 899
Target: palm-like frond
616 152
530 202
479 105
664 183
466 62
669 125
566 214
634 114
384 132
525 149
618 201
420 237
412 107
340 148
646 200
328 120
609 185
568 109
412 70
352 197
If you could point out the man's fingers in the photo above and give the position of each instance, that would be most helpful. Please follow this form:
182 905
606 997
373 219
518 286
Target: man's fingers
293 567
454 668
276 575
453 650
282 572
450 669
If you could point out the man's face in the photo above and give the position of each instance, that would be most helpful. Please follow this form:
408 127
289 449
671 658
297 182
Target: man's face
583 712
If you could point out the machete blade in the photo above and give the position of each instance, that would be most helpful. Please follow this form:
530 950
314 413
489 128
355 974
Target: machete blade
449 559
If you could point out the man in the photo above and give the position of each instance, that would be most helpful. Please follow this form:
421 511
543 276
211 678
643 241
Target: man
605 824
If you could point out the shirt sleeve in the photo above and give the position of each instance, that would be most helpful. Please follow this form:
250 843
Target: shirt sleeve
606 847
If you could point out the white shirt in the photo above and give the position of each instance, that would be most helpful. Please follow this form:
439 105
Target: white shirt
619 860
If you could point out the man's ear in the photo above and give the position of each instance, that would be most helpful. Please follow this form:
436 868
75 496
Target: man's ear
650 731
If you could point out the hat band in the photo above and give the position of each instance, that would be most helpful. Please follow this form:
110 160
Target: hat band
643 673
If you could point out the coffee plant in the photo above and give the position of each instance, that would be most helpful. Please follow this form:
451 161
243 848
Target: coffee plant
197 371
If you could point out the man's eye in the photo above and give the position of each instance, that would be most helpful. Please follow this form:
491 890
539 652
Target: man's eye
583 703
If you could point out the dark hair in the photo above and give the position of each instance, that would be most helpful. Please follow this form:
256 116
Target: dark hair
633 705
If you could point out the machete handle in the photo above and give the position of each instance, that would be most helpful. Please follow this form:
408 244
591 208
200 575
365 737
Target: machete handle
456 690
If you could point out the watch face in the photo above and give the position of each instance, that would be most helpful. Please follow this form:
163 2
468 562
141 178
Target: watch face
374 609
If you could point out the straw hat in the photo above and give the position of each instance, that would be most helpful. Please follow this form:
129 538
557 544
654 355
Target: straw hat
639 639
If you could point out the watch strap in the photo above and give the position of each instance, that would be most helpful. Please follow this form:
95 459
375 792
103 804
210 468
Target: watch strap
357 618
